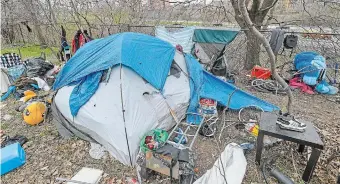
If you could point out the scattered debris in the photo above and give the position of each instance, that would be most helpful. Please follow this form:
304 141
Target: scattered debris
96 151
84 176
18 138
7 117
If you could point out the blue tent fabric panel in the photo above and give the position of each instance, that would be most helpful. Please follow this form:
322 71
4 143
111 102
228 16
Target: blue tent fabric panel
195 83
83 91
230 96
214 36
148 56
205 85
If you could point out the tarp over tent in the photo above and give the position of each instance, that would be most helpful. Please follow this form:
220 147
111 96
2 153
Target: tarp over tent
207 44
145 78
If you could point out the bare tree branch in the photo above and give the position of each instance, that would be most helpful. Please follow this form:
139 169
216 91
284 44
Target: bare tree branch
272 58
269 7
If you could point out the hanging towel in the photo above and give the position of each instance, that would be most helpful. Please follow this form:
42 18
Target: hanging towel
276 40
181 37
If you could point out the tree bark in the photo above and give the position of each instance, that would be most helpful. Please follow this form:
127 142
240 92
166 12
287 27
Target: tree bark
253 51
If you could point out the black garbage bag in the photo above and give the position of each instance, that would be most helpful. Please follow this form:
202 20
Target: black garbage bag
37 67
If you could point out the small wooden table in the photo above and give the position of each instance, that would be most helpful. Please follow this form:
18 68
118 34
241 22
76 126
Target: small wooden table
309 137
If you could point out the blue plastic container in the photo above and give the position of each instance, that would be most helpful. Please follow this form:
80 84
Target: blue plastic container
12 156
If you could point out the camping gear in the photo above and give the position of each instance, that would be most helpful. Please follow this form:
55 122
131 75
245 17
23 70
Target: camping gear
214 35
12 157
209 48
9 60
12 67
137 67
309 137
230 166
260 72
34 113
290 42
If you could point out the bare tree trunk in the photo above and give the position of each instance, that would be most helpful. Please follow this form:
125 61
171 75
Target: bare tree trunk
29 5
253 51
272 58
257 12
52 12
39 33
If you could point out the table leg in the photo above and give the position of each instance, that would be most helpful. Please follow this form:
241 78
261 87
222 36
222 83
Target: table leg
259 146
313 159
301 148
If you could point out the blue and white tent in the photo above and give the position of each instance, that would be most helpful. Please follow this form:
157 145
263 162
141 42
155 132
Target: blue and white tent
116 89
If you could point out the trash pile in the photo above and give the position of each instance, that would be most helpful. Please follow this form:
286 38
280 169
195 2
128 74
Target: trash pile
29 81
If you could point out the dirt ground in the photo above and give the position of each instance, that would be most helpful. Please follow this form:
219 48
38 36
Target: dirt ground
49 156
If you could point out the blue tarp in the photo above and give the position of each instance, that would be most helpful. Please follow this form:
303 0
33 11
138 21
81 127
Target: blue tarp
148 56
206 85
83 91
151 58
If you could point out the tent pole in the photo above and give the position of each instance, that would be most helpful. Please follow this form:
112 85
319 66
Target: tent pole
121 97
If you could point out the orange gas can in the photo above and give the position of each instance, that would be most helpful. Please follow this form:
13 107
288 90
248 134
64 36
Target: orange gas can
260 72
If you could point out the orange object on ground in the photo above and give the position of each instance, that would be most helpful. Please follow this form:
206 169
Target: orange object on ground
261 73
34 113
28 95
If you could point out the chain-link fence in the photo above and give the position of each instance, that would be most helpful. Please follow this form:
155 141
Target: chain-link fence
327 45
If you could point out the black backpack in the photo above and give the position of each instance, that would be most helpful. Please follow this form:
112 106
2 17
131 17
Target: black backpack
290 42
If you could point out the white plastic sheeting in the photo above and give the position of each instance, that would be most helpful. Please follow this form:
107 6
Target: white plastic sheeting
4 82
230 166
181 37
144 109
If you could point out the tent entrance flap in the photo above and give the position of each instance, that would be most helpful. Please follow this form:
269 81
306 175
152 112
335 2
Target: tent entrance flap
123 112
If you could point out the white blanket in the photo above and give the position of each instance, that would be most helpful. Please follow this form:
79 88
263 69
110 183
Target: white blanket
230 166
